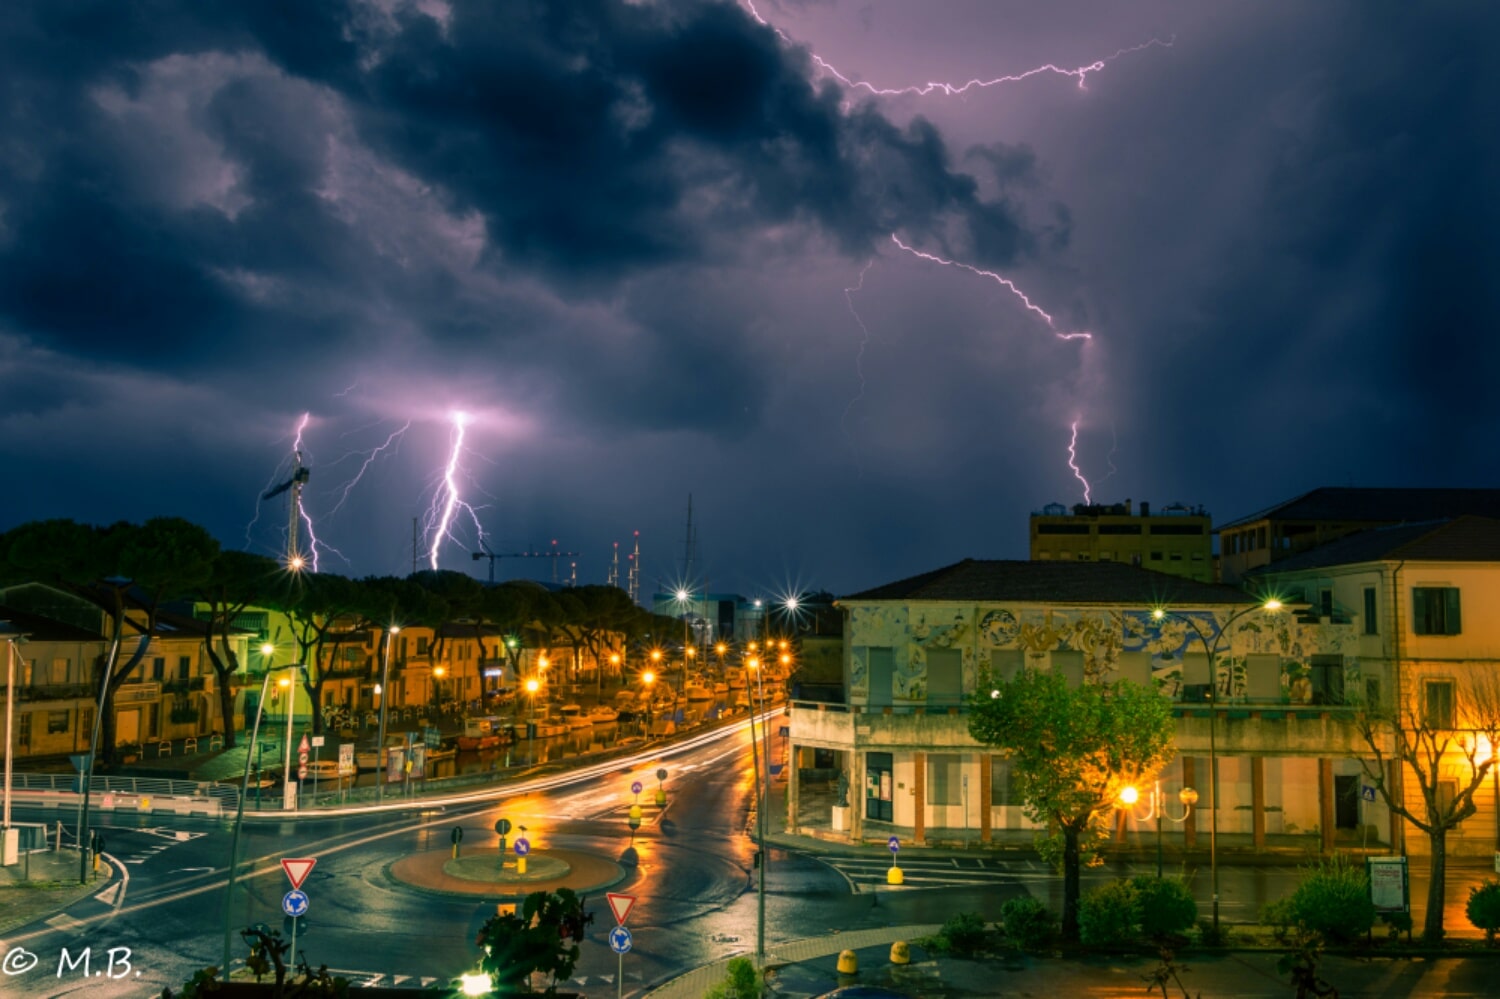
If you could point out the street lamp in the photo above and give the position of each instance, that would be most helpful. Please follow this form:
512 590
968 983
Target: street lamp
1212 648
9 838
239 815
382 689
532 686
1157 808
288 788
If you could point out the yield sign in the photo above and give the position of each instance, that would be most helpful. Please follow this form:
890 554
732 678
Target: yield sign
297 869
620 905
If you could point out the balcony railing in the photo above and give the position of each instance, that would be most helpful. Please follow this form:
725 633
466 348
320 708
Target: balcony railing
54 691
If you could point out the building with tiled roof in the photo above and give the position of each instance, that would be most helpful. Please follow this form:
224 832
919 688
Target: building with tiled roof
1332 512
917 650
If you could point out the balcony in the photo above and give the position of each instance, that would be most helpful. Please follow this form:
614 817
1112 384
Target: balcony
55 692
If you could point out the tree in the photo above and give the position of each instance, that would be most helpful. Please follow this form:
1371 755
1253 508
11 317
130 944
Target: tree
325 612
1072 749
1438 739
543 937
238 581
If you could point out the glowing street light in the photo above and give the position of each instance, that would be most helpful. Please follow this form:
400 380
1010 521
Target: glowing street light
1157 807
380 689
532 686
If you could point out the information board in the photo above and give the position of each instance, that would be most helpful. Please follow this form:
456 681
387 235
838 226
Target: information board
1390 891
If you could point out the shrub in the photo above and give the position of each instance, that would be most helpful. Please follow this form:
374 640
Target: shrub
1333 901
1106 915
1164 908
1028 924
1279 918
963 935
1398 922
739 983
1483 909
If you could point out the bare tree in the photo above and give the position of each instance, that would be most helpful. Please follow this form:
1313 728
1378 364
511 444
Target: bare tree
1444 735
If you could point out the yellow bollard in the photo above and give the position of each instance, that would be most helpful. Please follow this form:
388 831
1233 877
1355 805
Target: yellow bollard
635 811
900 952
661 798
520 865
894 876
848 963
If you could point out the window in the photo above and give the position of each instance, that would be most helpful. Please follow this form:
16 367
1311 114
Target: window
944 781
1176 556
1006 663
1439 704
1447 790
421 645
1327 679
1156 556
1434 610
1119 528
57 721
184 667
945 677
1062 528
25 729
159 669
1325 603
1000 781
1179 529
1372 620
1372 693
1106 556
1069 664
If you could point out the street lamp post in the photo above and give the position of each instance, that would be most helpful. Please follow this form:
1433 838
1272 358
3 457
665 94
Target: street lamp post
532 686
384 691
288 787
239 814
1212 648
1189 797
9 838
761 797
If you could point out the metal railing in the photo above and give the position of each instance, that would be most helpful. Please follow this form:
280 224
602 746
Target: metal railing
228 796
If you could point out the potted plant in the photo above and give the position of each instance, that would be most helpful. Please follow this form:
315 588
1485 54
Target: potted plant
841 803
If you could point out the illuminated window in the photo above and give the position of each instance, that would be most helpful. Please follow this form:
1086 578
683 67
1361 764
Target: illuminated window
1439 704
57 721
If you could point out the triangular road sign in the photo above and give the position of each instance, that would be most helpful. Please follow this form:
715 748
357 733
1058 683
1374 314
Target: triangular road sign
297 869
620 905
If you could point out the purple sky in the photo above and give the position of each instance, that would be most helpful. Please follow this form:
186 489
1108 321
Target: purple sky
620 236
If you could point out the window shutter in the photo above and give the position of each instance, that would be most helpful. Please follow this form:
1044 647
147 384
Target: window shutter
1450 609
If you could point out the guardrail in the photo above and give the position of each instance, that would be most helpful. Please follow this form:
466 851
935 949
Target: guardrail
146 794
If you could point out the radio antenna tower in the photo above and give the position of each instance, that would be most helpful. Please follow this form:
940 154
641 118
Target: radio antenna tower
614 568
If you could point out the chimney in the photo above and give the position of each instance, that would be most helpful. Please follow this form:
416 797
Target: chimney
1145 509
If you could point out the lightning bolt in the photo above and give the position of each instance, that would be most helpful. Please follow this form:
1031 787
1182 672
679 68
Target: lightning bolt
1109 459
859 358
370 457
1080 73
447 502
1072 462
1006 282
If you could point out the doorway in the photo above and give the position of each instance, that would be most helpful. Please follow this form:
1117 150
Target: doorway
128 727
879 782
1346 802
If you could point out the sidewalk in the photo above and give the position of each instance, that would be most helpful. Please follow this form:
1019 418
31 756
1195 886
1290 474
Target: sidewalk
43 884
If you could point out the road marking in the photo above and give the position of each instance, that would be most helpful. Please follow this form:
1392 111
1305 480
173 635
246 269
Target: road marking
63 921
110 895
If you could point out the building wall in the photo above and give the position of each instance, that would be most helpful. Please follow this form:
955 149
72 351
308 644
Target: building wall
1158 542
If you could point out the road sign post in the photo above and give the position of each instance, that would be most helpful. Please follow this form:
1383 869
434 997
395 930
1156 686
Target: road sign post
294 904
619 942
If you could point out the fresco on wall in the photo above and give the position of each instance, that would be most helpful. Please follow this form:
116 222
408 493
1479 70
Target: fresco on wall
1101 636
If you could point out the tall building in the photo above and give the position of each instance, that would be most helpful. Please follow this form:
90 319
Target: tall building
1177 539
1323 515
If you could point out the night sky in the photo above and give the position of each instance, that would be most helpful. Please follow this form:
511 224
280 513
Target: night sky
647 248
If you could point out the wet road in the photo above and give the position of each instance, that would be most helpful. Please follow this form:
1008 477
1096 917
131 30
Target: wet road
691 867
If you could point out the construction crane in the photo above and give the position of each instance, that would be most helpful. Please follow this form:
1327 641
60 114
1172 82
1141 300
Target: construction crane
300 474
553 553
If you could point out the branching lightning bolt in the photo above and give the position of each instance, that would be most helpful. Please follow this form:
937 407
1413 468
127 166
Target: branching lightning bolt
1080 73
859 358
1006 282
1073 462
370 457
447 502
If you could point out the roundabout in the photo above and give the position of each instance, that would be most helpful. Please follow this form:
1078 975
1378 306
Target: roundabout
486 873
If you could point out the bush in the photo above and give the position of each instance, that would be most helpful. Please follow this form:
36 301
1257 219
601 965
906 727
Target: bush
1106 915
740 982
963 935
1164 908
1333 901
1028 925
1279 918
1483 909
